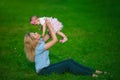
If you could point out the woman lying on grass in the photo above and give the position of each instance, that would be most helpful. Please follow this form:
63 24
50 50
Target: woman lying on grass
37 50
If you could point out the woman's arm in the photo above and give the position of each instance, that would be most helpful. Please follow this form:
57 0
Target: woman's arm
46 37
53 35
43 29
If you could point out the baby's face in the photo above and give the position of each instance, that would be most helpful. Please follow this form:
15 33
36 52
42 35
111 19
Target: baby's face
34 22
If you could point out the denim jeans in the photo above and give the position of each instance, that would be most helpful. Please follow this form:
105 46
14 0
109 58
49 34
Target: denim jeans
67 66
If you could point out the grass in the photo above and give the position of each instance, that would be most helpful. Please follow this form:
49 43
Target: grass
92 27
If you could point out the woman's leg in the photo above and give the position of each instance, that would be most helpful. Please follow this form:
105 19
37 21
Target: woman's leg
65 66
77 68
84 67
59 68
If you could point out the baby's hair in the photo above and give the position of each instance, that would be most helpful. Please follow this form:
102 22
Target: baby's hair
34 17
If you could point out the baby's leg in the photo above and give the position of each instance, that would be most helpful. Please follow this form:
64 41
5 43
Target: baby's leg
63 36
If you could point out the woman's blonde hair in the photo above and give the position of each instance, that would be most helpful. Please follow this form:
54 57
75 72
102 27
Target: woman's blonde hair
29 46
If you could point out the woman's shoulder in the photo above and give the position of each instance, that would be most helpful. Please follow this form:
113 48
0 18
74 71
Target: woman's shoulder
41 41
40 45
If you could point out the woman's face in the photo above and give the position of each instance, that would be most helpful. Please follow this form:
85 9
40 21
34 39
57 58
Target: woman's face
35 35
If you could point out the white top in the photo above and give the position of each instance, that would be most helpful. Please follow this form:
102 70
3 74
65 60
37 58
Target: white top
55 24
42 20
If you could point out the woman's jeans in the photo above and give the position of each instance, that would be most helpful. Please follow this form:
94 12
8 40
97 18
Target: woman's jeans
67 66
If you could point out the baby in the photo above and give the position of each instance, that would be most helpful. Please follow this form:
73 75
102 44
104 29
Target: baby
56 26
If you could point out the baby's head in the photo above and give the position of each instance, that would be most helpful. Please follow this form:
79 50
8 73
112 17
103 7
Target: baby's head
34 20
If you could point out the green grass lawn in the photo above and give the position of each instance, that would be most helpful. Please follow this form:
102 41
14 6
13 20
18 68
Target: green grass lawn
92 27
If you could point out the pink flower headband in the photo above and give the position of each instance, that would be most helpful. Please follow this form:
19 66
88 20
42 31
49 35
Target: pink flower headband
33 22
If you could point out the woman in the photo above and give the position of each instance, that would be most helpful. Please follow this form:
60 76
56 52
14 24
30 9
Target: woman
37 50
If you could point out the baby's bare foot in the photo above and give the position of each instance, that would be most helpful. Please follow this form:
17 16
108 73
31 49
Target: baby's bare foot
95 75
63 40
